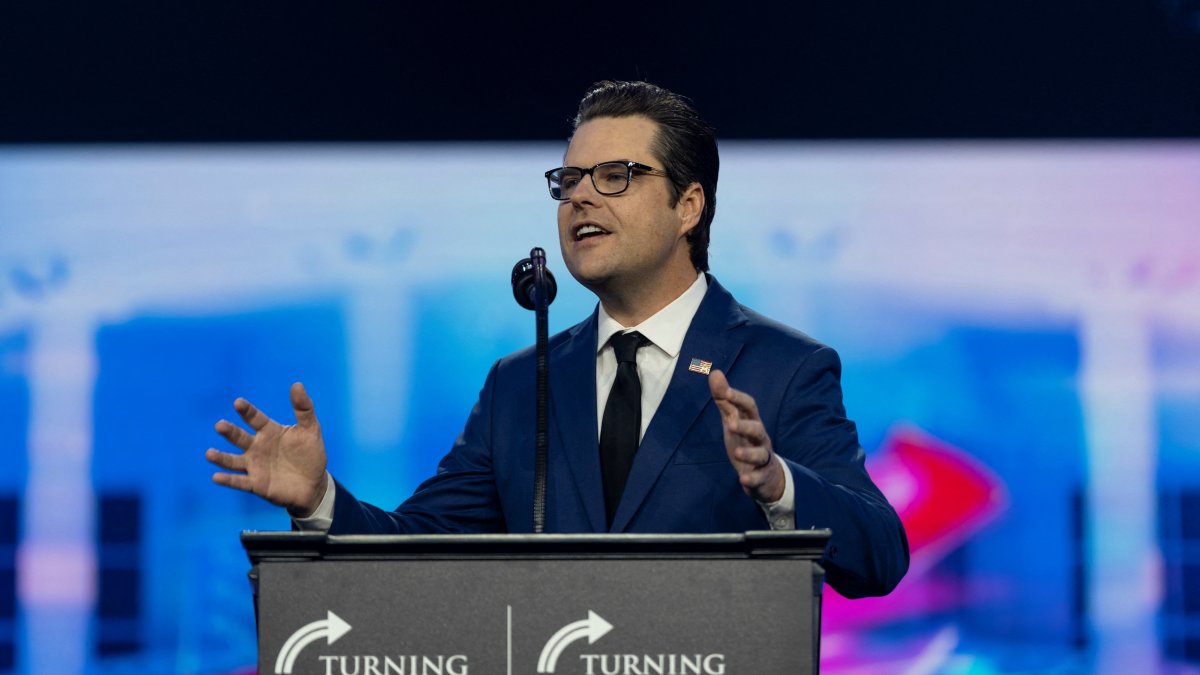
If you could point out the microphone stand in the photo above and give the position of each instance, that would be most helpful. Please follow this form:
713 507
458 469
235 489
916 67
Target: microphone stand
534 288
541 312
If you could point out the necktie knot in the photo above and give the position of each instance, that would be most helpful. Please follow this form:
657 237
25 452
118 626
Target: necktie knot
626 345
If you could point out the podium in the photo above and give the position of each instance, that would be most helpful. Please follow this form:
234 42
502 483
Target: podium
626 604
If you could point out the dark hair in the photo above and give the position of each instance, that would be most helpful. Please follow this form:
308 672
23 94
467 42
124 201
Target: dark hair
685 143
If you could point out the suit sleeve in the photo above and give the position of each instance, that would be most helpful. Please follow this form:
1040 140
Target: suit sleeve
461 498
868 552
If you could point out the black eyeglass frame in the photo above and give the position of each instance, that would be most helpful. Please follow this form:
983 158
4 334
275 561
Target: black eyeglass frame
630 167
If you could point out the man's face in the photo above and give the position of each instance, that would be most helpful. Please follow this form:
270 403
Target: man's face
640 238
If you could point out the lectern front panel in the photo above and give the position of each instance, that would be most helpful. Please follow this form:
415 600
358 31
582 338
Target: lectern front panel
453 617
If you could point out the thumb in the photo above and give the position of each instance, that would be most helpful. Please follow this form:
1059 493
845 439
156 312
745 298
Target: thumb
303 406
718 385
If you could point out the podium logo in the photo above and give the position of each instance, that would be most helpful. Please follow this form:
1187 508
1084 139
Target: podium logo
331 628
334 627
593 628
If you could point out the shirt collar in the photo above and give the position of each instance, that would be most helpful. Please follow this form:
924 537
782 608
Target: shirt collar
666 328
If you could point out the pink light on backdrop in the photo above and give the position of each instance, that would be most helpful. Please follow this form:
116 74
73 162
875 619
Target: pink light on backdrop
943 496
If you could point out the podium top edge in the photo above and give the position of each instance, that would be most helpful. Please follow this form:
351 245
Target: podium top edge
300 546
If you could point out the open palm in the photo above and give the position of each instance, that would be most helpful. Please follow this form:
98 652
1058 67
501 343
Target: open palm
284 464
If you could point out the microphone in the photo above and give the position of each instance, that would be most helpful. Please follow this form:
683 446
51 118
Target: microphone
524 279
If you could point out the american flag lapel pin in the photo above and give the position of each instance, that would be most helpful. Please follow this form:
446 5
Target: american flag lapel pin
698 366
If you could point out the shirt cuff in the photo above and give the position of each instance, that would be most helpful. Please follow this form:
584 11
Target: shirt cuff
322 518
781 515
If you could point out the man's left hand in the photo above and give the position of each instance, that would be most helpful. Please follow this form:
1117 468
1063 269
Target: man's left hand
746 441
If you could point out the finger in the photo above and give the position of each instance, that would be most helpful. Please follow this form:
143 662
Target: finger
751 430
253 416
744 402
236 481
303 406
226 460
234 434
754 457
759 472
729 414
757 477
753 480
718 385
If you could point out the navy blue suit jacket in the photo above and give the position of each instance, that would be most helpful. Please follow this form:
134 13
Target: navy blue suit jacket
681 480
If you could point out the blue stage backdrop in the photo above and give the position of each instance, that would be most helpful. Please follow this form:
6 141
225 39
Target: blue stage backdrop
1019 323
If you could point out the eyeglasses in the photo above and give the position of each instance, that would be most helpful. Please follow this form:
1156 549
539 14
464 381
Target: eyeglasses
609 178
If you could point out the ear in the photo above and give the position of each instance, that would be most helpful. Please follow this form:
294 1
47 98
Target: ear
689 207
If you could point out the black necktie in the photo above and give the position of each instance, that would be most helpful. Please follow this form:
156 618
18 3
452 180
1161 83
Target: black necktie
622 420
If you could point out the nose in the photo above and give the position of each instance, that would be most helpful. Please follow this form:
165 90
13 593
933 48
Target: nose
584 192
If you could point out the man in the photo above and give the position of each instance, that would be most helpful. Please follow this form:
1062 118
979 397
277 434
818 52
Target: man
652 440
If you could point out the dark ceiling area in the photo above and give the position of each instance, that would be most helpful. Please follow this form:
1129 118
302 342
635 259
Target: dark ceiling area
146 71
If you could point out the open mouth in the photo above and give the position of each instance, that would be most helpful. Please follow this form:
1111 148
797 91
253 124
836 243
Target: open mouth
588 231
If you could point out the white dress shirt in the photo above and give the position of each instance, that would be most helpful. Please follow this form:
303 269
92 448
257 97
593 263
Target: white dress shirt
655 364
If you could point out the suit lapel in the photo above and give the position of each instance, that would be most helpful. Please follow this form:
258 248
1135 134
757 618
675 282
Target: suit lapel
573 417
707 339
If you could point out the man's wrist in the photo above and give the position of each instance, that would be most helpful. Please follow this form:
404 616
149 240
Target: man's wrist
321 518
316 497
780 479
781 513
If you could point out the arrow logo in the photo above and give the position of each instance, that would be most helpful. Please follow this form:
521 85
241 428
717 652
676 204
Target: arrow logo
331 628
593 628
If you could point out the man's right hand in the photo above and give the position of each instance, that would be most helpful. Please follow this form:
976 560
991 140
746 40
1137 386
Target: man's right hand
283 464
